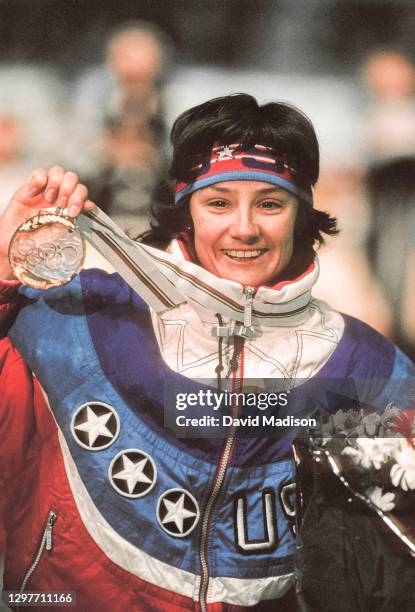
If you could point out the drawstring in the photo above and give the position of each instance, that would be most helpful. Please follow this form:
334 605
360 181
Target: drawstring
219 367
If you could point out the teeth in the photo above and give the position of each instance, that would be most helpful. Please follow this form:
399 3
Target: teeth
245 254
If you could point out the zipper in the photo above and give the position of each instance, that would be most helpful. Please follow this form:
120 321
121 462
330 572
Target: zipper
225 459
45 544
245 330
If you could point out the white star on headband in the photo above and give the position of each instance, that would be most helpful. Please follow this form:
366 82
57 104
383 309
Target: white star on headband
225 153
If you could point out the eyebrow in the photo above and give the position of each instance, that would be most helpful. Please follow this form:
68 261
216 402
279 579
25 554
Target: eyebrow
265 190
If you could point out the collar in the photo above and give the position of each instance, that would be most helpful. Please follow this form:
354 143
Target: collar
285 303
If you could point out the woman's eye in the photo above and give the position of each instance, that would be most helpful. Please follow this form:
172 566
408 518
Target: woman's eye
218 204
270 205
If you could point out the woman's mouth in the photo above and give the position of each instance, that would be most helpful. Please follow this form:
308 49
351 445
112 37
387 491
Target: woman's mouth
243 255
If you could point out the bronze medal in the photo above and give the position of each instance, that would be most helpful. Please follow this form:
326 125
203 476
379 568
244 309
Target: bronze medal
47 250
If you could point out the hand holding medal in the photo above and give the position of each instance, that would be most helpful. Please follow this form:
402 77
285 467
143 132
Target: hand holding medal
38 231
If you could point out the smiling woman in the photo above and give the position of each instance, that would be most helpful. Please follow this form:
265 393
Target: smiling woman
145 517
250 168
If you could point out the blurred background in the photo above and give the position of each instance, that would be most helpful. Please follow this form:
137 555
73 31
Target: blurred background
96 85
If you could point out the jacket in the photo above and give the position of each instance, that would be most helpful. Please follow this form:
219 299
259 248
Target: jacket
117 502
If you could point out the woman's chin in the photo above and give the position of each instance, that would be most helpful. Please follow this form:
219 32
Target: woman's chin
245 274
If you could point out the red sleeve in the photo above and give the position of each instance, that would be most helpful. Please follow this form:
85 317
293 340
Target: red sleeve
20 398
9 301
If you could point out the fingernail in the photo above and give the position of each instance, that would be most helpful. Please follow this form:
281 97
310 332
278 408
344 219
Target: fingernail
62 202
50 195
73 211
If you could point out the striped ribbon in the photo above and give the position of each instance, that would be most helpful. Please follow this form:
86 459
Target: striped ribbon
130 259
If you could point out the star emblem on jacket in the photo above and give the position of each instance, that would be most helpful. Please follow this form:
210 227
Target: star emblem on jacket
225 152
132 473
95 425
177 512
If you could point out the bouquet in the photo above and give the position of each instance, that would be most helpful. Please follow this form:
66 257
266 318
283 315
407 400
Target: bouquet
374 457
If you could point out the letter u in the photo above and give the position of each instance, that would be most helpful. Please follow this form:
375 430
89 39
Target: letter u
269 541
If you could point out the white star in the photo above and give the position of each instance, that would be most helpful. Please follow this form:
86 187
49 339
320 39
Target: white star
132 473
176 512
95 425
225 153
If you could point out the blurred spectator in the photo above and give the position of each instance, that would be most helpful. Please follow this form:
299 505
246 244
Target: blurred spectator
345 278
132 164
135 56
390 79
119 124
126 86
31 123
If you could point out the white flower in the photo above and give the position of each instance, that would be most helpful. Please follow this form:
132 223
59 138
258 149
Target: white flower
403 472
342 424
389 417
384 501
370 424
391 446
368 452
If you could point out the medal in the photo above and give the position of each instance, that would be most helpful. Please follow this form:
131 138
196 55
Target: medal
47 250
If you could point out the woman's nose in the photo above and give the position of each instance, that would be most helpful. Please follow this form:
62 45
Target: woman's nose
244 227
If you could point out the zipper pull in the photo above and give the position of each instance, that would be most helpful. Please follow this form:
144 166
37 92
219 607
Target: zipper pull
48 531
245 330
249 299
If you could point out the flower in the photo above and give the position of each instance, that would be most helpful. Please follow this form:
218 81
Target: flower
340 425
389 418
370 424
384 501
403 471
369 452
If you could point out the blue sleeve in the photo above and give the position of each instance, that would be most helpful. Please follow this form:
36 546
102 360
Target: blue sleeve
400 386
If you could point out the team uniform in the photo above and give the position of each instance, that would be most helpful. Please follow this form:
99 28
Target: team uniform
102 496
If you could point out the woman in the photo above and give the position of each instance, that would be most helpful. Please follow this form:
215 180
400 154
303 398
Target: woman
134 515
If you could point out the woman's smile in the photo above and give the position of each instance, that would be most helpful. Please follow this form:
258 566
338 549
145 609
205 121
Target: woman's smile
244 256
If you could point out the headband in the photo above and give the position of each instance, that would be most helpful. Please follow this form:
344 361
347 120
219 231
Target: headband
250 163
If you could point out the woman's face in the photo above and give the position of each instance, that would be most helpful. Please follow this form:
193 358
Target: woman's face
244 230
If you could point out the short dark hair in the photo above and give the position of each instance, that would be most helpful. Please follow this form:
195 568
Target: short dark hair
239 118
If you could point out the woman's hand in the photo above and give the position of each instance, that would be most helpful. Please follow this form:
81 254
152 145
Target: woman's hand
43 190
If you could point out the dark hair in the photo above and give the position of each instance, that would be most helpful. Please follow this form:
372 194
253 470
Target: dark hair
239 118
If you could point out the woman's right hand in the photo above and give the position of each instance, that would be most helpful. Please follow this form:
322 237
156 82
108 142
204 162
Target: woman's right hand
44 189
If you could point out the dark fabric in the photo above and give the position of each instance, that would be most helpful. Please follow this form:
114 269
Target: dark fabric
347 561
